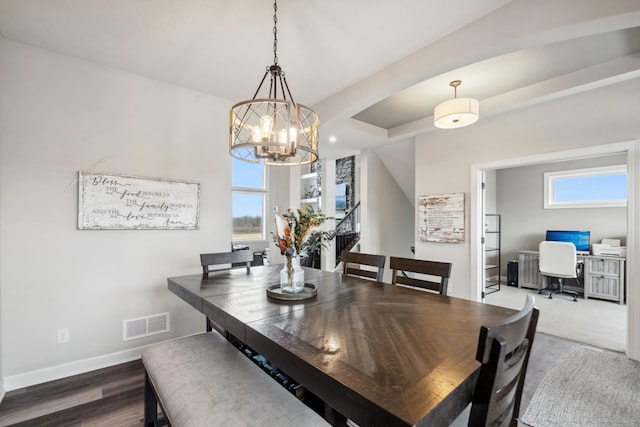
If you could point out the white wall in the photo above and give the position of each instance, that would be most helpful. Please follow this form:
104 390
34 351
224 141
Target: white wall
60 115
524 219
387 222
2 386
444 157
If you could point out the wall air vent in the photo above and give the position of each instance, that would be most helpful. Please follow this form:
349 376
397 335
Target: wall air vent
145 326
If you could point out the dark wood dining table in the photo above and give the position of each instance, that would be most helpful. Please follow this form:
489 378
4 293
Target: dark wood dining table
378 354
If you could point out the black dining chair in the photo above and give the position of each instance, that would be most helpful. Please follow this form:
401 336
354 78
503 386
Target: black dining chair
235 258
503 350
353 261
439 270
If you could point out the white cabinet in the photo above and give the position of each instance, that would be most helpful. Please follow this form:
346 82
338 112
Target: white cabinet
528 270
604 278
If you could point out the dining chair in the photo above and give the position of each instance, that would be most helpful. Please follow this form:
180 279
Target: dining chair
441 270
353 261
239 258
558 259
503 350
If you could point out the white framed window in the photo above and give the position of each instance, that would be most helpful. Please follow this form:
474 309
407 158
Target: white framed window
248 199
586 188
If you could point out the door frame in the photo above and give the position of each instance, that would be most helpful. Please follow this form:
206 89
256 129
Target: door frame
632 150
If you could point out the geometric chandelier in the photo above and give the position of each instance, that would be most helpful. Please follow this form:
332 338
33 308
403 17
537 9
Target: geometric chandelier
456 112
273 129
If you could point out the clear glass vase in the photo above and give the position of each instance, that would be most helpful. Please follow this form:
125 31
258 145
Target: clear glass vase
292 276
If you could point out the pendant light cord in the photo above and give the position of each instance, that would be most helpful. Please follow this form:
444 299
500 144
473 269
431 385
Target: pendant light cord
275 33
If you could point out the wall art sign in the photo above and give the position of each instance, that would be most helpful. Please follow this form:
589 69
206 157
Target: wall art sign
119 202
441 218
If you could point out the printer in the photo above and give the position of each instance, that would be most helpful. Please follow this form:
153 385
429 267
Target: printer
609 247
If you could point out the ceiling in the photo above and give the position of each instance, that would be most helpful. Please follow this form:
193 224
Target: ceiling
373 71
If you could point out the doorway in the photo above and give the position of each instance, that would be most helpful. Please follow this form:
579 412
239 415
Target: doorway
633 165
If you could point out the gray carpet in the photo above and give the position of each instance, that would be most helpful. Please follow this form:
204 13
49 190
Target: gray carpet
588 388
595 322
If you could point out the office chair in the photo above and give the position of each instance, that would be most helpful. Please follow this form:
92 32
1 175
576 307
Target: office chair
558 259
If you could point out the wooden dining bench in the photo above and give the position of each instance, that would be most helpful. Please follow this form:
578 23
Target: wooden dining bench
203 380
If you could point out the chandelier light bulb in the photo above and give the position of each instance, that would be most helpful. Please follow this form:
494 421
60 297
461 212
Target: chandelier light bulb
266 127
282 136
293 134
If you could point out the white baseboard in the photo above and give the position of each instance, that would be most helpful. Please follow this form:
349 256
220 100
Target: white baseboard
39 376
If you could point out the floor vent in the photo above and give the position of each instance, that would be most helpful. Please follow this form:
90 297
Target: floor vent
145 326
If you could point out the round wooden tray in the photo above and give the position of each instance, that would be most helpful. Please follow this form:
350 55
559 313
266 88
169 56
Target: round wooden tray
309 291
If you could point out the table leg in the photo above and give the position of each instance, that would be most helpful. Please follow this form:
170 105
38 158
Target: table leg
333 417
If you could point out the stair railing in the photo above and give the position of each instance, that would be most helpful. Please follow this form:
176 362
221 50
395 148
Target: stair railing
347 233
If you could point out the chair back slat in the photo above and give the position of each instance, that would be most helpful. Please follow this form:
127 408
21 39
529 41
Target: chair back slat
504 401
354 271
418 283
359 259
442 270
503 350
239 258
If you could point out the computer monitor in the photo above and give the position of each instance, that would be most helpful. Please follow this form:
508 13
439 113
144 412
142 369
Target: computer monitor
580 239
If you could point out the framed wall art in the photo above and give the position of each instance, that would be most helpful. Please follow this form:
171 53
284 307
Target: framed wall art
120 202
441 218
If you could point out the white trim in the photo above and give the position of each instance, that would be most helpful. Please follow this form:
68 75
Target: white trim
249 190
476 231
633 252
632 149
39 376
551 177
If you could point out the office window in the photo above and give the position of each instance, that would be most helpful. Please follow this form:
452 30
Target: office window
249 194
586 188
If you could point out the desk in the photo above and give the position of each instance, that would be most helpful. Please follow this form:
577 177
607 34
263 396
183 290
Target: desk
604 276
378 354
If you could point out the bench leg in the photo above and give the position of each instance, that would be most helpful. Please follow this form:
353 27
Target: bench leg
150 404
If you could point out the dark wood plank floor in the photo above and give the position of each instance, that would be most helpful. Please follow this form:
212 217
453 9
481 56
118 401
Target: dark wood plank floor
107 397
114 396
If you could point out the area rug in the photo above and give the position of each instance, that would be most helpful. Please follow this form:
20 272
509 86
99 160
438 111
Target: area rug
588 388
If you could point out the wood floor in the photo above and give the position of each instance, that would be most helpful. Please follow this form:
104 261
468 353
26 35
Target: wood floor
108 397
113 397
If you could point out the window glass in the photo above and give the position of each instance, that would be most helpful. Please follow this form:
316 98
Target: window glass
585 188
248 211
248 175
248 200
